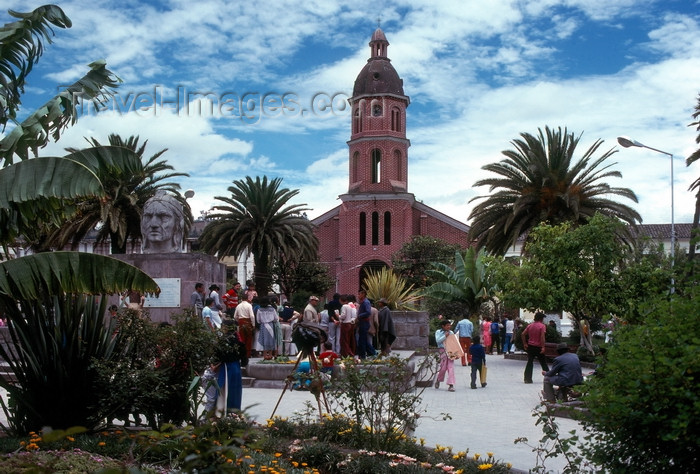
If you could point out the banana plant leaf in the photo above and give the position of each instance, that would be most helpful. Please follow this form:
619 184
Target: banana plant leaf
36 277
45 178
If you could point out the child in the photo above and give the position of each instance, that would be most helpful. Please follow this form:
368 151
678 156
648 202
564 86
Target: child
211 315
328 358
446 364
478 358
211 389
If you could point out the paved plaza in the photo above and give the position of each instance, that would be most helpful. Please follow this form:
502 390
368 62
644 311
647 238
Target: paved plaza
482 420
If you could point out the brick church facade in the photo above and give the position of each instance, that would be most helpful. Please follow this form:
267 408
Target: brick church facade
377 214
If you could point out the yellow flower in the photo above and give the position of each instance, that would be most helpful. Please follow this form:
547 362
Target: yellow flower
477 456
70 438
483 467
101 443
509 465
277 455
490 455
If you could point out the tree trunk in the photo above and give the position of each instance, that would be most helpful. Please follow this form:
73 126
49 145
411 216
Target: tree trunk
115 248
261 275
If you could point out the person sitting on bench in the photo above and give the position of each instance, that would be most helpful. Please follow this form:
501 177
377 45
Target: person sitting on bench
565 372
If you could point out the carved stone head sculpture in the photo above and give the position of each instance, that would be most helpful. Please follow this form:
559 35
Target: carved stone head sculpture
162 224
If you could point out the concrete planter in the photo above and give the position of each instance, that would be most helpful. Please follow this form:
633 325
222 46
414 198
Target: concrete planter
550 349
412 330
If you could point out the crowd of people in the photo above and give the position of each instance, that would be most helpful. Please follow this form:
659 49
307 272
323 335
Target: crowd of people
474 342
354 327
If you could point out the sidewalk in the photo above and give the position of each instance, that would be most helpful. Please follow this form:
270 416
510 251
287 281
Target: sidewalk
482 420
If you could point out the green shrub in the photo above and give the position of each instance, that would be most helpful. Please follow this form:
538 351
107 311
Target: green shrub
57 461
155 375
321 455
645 405
55 345
380 400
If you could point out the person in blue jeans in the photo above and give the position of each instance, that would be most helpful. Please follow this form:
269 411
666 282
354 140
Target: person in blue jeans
495 336
364 312
231 355
478 359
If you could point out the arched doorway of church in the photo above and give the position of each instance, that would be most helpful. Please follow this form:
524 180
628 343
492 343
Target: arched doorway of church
370 266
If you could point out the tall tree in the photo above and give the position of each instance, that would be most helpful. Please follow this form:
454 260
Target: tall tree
258 217
116 215
695 186
585 270
539 182
306 276
416 256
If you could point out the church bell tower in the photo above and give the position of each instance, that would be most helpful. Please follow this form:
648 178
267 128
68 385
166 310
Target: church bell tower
378 144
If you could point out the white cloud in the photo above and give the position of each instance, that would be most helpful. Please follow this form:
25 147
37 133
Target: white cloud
478 74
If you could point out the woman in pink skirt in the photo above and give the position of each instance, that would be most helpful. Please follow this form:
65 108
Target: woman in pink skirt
486 332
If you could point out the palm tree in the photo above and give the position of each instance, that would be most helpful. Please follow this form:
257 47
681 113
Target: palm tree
464 283
695 186
117 213
21 46
257 217
540 183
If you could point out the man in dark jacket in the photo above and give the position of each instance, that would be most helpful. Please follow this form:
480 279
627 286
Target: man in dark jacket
387 333
565 372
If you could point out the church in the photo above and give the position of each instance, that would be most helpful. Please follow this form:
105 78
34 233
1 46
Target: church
377 214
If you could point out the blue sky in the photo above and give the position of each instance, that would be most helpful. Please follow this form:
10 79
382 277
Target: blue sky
478 73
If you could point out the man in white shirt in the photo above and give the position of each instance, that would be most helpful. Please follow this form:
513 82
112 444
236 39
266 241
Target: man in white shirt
508 343
245 318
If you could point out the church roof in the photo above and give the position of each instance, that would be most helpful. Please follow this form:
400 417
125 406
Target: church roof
378 76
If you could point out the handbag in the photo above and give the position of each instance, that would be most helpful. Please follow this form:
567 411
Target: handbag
482 374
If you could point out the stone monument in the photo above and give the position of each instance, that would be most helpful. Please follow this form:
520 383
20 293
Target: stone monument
165 259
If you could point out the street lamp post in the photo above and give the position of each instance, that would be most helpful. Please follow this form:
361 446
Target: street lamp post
628 142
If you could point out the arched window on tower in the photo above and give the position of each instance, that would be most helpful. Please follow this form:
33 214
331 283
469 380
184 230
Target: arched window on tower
375 228
396 119
399 165
355 167
376 165
357 121
363 228
387 228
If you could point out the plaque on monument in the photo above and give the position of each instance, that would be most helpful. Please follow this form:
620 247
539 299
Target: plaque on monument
169 294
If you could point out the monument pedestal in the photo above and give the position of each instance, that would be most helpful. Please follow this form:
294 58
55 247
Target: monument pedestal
177 274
